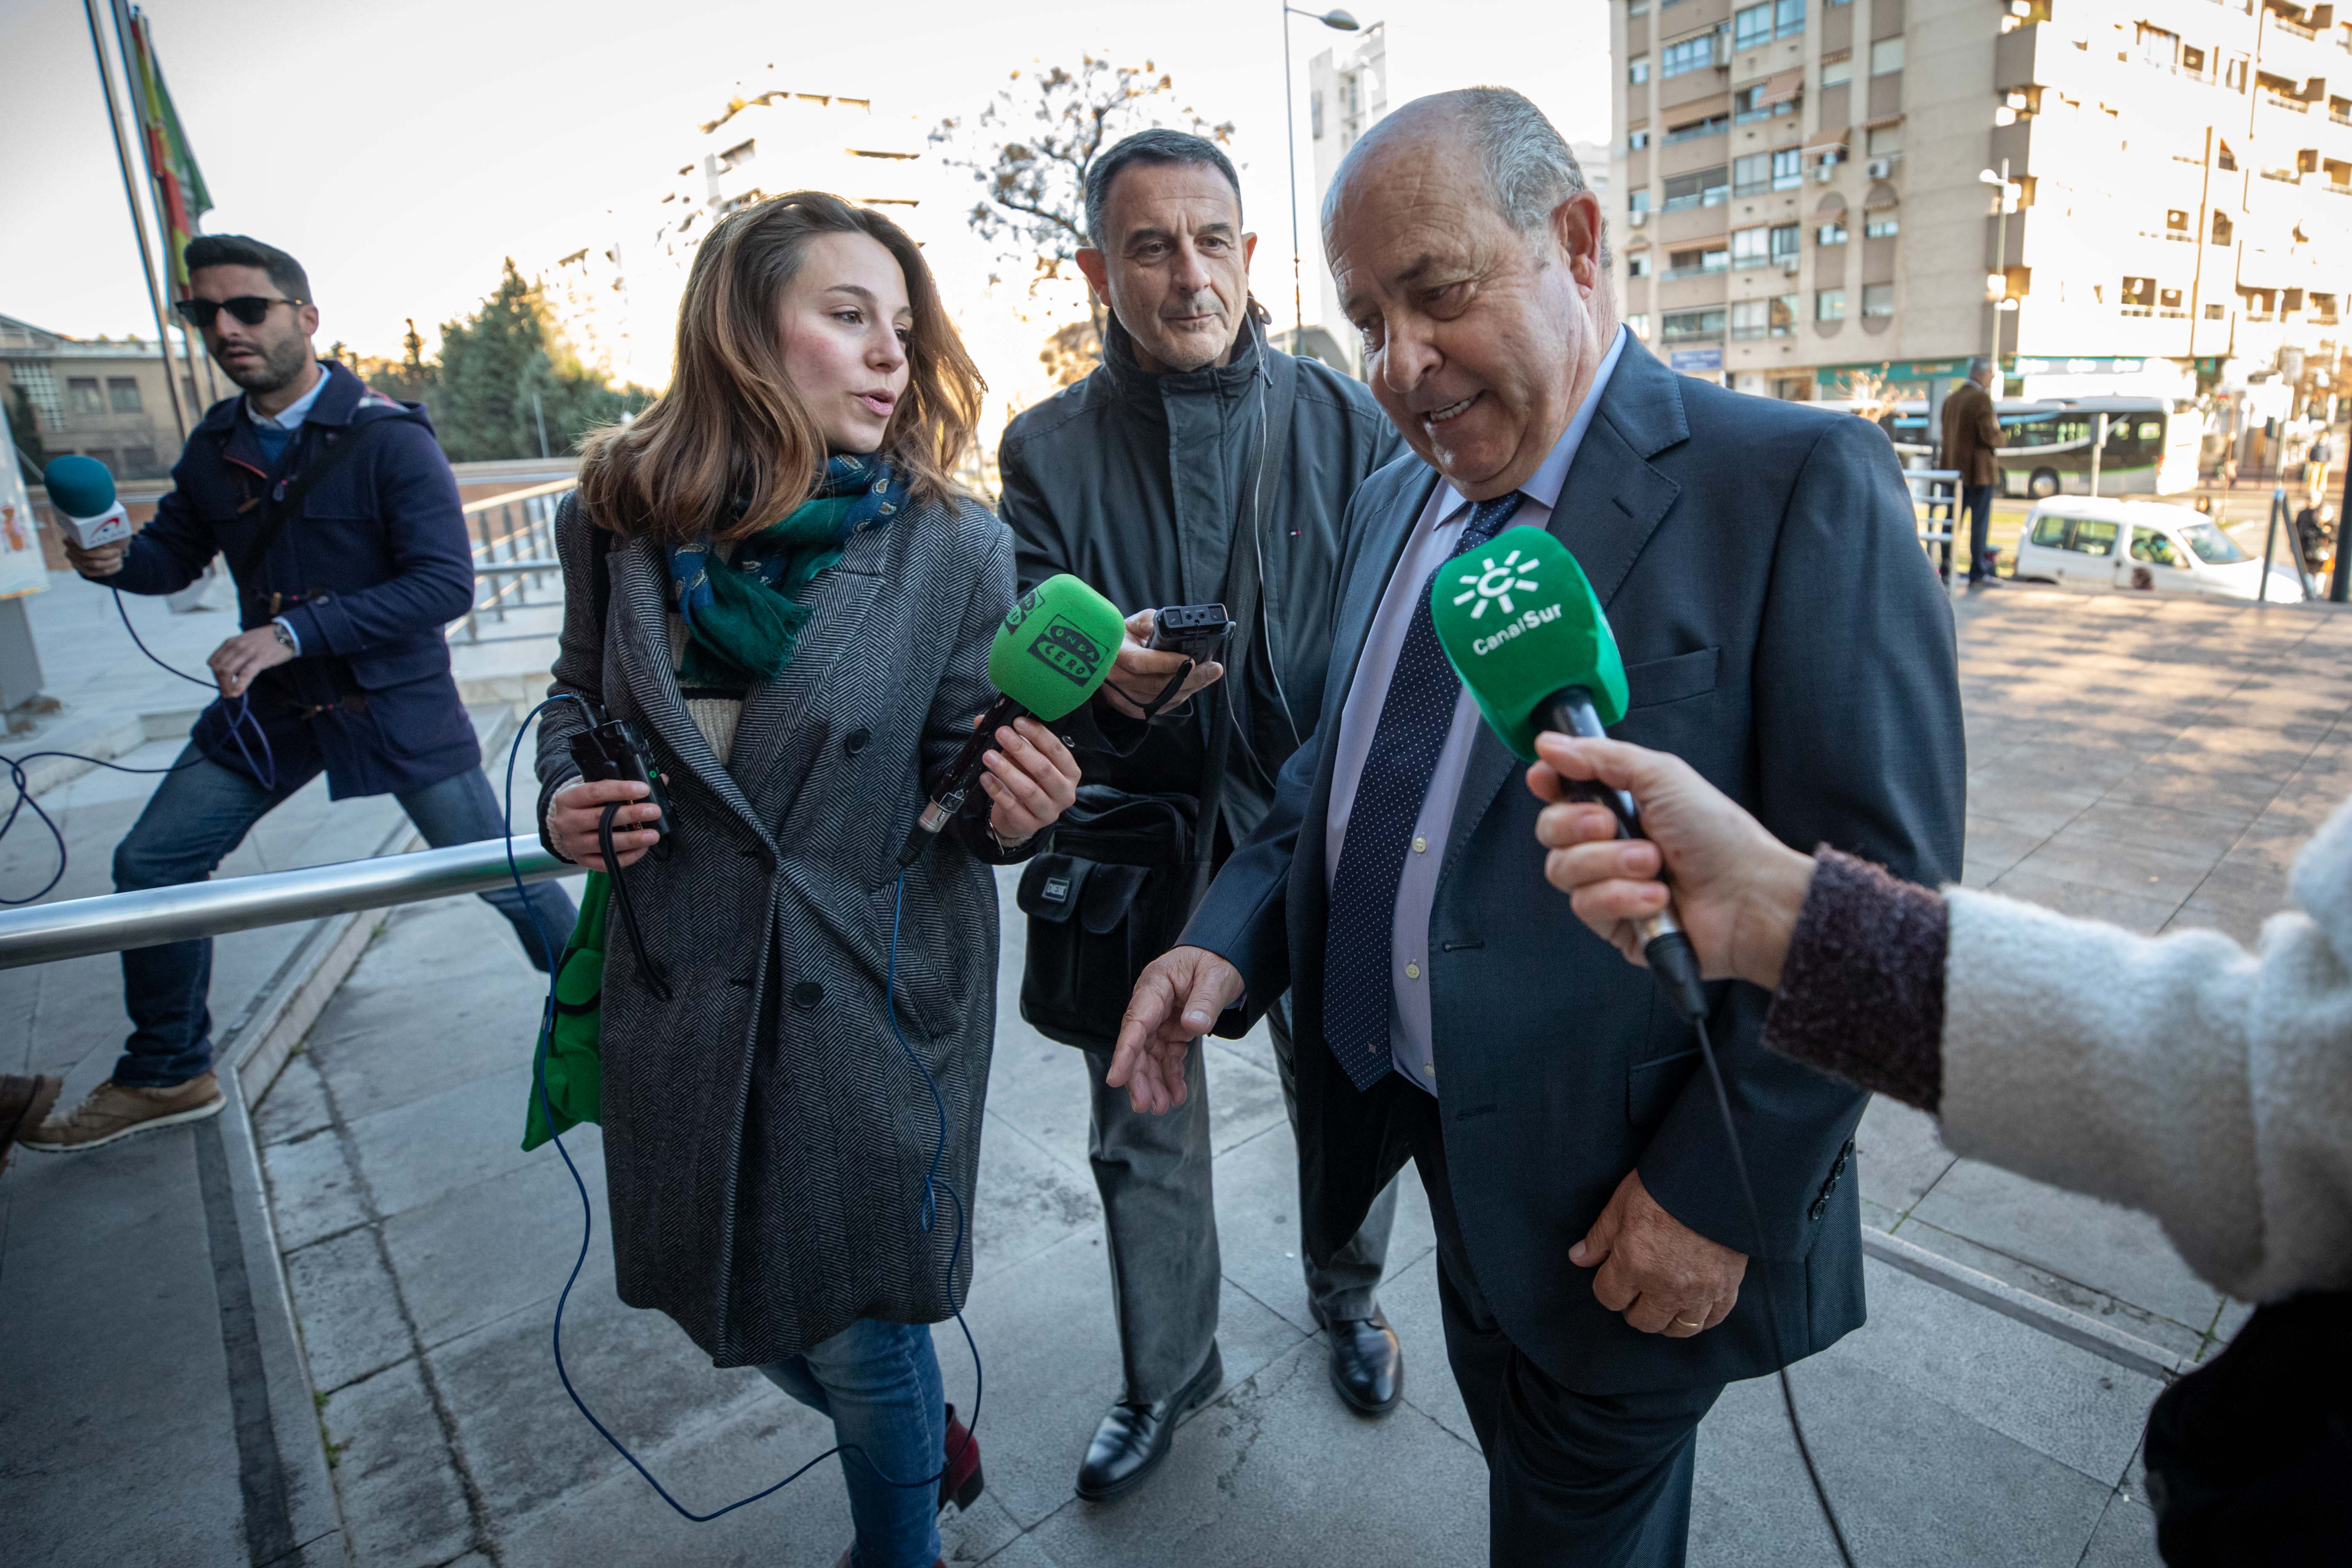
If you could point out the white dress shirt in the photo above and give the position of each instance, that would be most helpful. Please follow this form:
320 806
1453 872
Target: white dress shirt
291 417
1431 545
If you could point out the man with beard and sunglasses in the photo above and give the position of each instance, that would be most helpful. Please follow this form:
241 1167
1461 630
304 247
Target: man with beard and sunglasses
339 519
1197 464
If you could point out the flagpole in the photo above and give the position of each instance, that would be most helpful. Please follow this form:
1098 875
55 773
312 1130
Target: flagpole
134 80
138 219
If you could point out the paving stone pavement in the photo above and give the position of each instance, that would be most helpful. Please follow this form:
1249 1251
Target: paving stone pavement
111 1293
425 1252
2155 763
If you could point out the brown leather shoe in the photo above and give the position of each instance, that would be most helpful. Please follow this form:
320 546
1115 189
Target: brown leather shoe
24 1104
113 1111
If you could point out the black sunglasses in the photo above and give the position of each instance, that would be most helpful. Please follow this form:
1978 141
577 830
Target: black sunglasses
251 309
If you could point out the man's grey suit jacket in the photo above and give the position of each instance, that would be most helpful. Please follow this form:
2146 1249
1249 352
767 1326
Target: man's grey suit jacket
1783 633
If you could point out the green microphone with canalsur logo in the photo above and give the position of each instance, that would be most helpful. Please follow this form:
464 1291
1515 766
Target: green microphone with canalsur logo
1526 634
1053 652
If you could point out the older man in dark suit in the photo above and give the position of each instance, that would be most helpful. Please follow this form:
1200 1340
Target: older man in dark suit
1781 633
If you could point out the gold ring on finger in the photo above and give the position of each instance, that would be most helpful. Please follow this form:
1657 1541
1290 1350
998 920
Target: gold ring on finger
1686 1324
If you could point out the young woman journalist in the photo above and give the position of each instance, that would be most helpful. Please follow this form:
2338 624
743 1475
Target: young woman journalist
796 608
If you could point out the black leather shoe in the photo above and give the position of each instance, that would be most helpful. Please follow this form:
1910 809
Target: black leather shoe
1367 1364
1134 1438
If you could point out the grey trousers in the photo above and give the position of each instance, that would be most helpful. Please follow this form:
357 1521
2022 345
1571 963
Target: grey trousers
1160 1210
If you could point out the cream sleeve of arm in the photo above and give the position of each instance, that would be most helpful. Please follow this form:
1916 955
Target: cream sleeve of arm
2181 1075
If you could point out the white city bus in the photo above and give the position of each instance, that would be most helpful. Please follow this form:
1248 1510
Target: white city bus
2151 446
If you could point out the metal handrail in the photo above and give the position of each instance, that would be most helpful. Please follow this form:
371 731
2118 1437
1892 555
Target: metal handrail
557 486
1931 498
513 536
77 928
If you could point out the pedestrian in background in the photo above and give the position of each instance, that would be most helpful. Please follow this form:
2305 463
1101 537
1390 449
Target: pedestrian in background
1197 463
1972 446
339 517
2312 538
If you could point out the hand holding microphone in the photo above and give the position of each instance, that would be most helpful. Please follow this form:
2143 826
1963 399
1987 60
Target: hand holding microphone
1053 651
99 564
1030 779
1525 632
95 529
1737 888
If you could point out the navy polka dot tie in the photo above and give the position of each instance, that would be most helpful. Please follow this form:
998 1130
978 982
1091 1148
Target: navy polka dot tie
1358 943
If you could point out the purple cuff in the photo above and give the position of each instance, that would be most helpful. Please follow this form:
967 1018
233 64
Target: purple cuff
1862 990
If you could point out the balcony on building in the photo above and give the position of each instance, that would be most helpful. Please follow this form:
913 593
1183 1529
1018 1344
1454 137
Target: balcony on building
1698 262
1682 328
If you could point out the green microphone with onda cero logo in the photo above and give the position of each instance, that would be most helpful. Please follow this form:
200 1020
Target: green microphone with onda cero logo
1524 630
1053 651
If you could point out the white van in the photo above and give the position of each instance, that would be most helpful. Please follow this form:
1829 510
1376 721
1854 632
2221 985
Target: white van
2150 547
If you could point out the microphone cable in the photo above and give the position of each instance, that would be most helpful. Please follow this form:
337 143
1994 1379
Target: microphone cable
933 1183
1771 1303
1674 964
264 771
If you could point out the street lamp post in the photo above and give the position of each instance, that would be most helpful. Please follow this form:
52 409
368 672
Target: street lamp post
2001 302
1337 21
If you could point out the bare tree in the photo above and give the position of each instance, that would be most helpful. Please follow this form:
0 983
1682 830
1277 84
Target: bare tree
1030 148
1070 351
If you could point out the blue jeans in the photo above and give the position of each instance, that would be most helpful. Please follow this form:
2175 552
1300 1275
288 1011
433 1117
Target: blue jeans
1977 502
880 1383
196 817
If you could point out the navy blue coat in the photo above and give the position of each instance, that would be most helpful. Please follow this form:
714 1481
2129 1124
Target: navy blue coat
1784 635
371 568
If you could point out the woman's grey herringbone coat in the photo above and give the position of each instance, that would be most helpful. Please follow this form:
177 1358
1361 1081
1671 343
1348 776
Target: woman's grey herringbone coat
765 1139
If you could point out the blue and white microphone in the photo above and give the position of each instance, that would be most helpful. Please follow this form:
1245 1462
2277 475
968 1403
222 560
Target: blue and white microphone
81 492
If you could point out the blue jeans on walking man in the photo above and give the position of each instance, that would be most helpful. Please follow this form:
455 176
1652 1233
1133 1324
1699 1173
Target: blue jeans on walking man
199 814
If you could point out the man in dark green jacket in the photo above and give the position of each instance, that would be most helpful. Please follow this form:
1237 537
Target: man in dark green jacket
1194 439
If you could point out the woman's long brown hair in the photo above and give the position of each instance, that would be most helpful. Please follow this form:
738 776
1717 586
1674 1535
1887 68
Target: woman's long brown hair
732 431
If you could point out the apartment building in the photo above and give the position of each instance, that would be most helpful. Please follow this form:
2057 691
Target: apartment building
1804 199
1347 93
105 399
616 290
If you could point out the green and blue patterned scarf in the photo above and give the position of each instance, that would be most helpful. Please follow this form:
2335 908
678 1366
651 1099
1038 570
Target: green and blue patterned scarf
744 617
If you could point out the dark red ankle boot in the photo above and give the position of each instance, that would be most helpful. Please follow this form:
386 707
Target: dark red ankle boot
962 1483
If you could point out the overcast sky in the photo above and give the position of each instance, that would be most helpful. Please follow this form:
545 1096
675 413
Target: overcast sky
402 150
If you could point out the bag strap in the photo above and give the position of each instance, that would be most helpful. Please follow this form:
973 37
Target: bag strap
1276 392
287 497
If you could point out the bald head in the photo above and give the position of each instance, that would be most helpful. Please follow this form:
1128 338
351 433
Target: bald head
1526 168
1469 254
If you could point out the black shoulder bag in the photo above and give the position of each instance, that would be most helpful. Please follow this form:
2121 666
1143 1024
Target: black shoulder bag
1124 871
